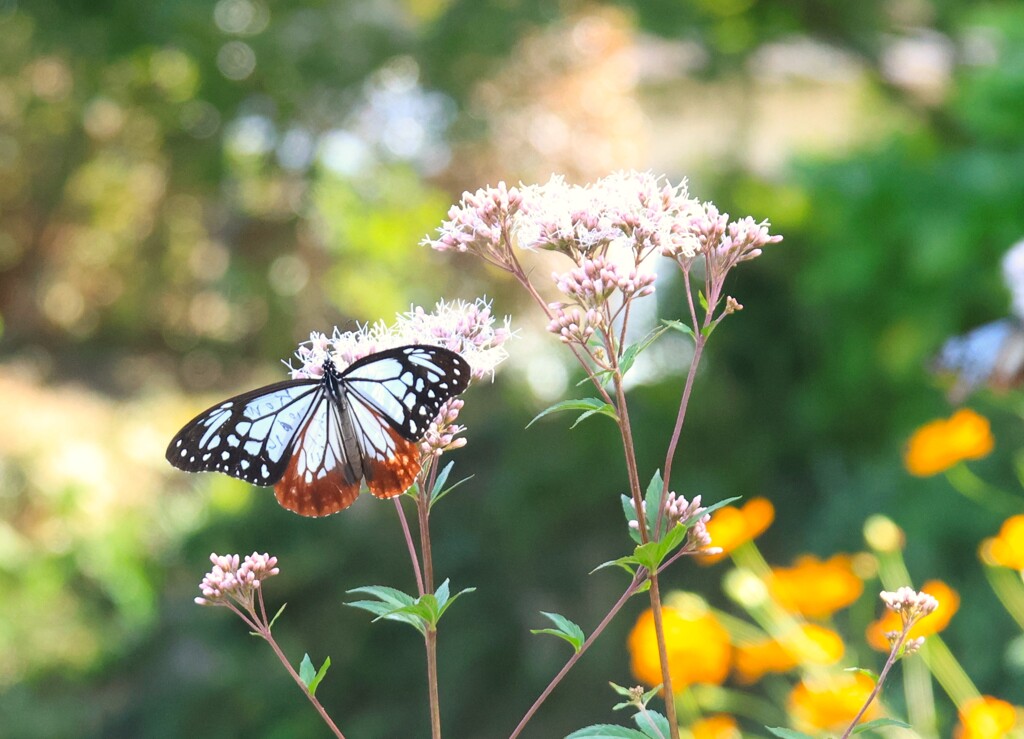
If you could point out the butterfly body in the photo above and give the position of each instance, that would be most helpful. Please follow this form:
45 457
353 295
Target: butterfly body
315 440
992 354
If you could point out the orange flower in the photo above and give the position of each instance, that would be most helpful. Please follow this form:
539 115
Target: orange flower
698 648
832 702
719 726
730 526
814 588
813 645
986 718
1007 549
940 444
933 623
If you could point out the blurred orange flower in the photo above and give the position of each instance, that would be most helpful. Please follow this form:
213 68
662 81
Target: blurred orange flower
719 726
940 444
831 703
698 648
814 588
1006 549
949 603
986 718
730 526
812 645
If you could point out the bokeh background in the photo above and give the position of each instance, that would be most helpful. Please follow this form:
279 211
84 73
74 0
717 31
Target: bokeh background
188 188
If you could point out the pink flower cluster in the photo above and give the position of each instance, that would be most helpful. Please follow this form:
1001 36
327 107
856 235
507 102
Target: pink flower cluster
481 223
466 328
443 433
678 510
724 244
234 579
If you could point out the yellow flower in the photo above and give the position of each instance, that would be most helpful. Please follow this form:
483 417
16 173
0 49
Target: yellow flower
933 623
719 726
814 588
940 444
831 702
813 645
730 526
1007 549
697 645
986 718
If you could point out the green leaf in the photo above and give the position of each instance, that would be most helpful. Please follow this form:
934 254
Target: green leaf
879 722
386 594
652 724
653 553
652 501
703 301
276 615
683 328
788 733
439 490
621 690
590 405
306 670
863 671
391 604
706 331
564 629
633 350
607 731
631 523
448 601
315 682
623 562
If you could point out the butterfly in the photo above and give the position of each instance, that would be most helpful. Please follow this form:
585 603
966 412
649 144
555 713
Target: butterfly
992 354
316 439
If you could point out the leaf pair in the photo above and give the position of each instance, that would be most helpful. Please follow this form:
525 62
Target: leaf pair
421 613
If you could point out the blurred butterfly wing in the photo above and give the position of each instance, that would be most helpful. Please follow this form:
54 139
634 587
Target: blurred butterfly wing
249 436
407 386
992 355
324 470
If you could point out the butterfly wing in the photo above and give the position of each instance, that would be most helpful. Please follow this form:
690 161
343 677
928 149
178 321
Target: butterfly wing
391 398
325 468
250 436
992 354
407 386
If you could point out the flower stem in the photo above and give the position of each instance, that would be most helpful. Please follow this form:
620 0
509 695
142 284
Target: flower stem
409 544
264 631
430 635
893 652
637 581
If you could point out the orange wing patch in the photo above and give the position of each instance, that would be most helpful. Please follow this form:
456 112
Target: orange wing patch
320 497
389 477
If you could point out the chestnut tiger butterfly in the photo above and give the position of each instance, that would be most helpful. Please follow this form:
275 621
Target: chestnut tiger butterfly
316 439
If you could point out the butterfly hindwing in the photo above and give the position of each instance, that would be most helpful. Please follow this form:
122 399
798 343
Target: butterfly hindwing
249 436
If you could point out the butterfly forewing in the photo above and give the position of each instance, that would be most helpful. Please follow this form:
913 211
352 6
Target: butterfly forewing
250 436
408 385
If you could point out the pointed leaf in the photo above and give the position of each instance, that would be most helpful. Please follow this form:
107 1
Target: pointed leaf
703 301
607 731
451 600
632 526
591 405
441 594
788 733
652 501
621 690
386 594
879 722
437 496
633 350
623 562
653 724
306 670
679 326
565 629
276 615
315 682
442 477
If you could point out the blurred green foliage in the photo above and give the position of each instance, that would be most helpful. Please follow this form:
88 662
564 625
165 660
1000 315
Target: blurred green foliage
187 189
